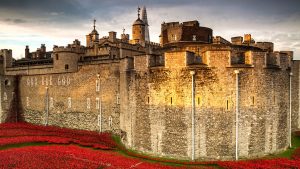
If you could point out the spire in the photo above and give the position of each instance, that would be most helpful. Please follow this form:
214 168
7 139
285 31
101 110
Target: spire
145 20
144 15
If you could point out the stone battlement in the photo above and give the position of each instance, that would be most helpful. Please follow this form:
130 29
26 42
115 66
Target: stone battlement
57 49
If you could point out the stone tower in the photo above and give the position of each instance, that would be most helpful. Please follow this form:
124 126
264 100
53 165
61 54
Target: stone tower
138 31
145 20
93 37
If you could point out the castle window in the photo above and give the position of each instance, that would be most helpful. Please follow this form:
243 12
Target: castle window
252 101
66 67
97 85
274 99
88 103
27 101
198 100
7 82
171 100
51 102
173 37
4 96
56 56
227 104
69 102
194 37
148 100
97 103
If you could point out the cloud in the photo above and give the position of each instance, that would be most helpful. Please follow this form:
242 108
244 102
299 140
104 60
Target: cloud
61 21
15 21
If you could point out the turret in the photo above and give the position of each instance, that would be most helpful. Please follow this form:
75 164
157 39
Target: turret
7 57
65 59
138 31
93 37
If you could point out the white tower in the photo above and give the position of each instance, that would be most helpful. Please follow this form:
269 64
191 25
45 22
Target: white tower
145 20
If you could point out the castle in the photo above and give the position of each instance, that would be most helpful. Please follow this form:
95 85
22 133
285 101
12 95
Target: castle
192 96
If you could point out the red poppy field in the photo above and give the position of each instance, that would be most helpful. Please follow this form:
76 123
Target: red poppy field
28 146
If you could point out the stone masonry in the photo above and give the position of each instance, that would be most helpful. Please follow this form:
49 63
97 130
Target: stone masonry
142 91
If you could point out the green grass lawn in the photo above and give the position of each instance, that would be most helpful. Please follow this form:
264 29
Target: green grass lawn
288 153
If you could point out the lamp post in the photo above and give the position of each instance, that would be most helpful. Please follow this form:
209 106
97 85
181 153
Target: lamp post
193 114
290 112
100 106
237 114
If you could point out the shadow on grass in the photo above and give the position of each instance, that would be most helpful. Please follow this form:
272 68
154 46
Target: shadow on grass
23 145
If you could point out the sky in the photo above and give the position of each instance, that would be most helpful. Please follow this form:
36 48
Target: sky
59 22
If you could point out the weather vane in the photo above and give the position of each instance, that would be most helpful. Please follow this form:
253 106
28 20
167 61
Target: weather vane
94 24
139 12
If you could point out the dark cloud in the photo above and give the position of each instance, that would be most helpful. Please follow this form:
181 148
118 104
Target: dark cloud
46 8
77 10
15 21
279 19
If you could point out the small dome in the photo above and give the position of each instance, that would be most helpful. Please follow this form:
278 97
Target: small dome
94 32
138 22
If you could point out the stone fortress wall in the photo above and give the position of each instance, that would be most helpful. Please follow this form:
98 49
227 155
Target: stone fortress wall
160 106
144 93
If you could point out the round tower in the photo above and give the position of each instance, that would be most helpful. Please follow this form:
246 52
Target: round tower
138 31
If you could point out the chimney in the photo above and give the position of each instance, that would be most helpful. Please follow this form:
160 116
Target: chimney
112 36
27 52
43 48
